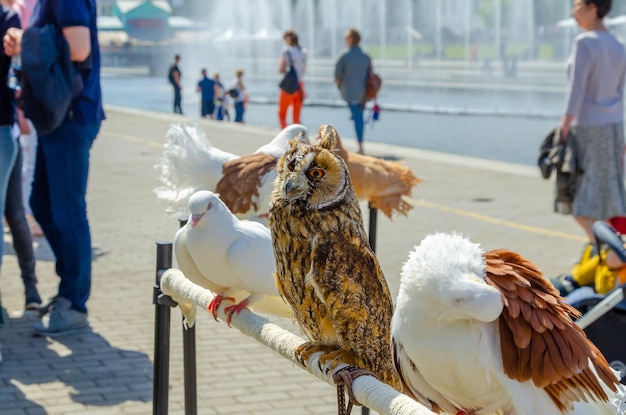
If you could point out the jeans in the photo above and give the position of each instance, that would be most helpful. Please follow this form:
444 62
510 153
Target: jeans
28 143
16 218
357 116
8 152
238 111
177 100
58 203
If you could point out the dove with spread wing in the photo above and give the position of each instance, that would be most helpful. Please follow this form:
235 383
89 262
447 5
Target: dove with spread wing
233 258
382 182
190 163
478 332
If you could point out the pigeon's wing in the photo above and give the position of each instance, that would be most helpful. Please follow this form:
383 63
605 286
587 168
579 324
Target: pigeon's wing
251 258
539 339
241 180
414 383
187 264
280 143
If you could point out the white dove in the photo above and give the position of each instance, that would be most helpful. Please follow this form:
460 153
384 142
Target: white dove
479 332
233 258
190 163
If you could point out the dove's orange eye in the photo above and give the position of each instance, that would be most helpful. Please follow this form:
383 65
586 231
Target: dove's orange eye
316 173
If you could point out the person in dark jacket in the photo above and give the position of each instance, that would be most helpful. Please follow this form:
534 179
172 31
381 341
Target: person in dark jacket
174 76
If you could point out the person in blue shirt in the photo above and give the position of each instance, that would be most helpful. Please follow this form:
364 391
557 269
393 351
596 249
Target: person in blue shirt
62 167
207 89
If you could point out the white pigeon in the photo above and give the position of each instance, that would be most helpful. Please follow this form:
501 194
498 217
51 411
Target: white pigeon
233 258
479 332
190 163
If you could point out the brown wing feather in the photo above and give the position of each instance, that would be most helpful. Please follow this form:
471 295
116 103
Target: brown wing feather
241 179
380 181
539 339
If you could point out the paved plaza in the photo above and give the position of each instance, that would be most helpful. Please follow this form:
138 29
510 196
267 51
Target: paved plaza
108 368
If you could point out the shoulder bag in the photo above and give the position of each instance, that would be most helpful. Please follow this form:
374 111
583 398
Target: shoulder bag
289 84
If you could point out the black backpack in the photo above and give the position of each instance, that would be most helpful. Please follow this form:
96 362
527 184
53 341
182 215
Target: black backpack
50 81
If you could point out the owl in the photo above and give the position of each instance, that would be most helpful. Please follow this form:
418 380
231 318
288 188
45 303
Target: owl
325 268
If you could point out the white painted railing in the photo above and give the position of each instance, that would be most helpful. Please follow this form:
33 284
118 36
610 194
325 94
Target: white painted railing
367 390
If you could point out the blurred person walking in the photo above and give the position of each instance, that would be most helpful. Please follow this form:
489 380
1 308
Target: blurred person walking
221 100
295 57
239 95
62 167
594 114
351 72
208 91
174 76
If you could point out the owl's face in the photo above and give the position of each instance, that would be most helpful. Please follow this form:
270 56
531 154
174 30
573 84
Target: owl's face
312 175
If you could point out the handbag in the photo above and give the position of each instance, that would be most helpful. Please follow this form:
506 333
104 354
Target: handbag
372 86
289 84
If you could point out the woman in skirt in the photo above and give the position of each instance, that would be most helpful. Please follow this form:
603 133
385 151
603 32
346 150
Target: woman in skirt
594 115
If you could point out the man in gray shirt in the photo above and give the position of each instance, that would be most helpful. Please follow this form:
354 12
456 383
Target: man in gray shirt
351 72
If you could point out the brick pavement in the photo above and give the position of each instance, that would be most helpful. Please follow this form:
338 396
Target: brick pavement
108 369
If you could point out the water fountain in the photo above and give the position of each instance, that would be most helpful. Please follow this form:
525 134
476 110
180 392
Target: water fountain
467 56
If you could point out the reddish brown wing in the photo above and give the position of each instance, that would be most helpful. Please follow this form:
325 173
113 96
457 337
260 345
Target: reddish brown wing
380 181
539 339
241 178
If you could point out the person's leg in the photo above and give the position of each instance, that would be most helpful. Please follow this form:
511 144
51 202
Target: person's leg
297 106
219 113
238 111
177 100
66 162
8 151
284 100
356 109
22 239
28 142
587 225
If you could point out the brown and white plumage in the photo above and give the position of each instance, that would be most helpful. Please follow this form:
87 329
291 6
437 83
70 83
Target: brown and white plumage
325 268
480 332
382 182
190 164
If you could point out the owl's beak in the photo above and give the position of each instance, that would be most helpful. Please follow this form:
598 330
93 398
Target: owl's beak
292 188
288 187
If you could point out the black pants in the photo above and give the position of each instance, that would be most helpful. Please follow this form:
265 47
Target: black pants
16 218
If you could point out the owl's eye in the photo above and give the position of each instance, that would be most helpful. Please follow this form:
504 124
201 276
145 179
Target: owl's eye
316 173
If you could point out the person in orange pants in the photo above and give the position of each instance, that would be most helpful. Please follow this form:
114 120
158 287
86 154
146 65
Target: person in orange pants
294 101
295 57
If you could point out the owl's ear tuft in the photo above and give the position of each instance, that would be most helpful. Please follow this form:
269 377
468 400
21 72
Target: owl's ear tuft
328 137
299 139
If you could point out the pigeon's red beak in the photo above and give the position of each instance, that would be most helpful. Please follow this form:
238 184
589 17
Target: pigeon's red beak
195 219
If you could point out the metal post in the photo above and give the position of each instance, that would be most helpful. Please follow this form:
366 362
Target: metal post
373 220
372 226
189 361
161 370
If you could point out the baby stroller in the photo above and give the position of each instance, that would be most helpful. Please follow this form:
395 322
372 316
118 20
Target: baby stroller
604 316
